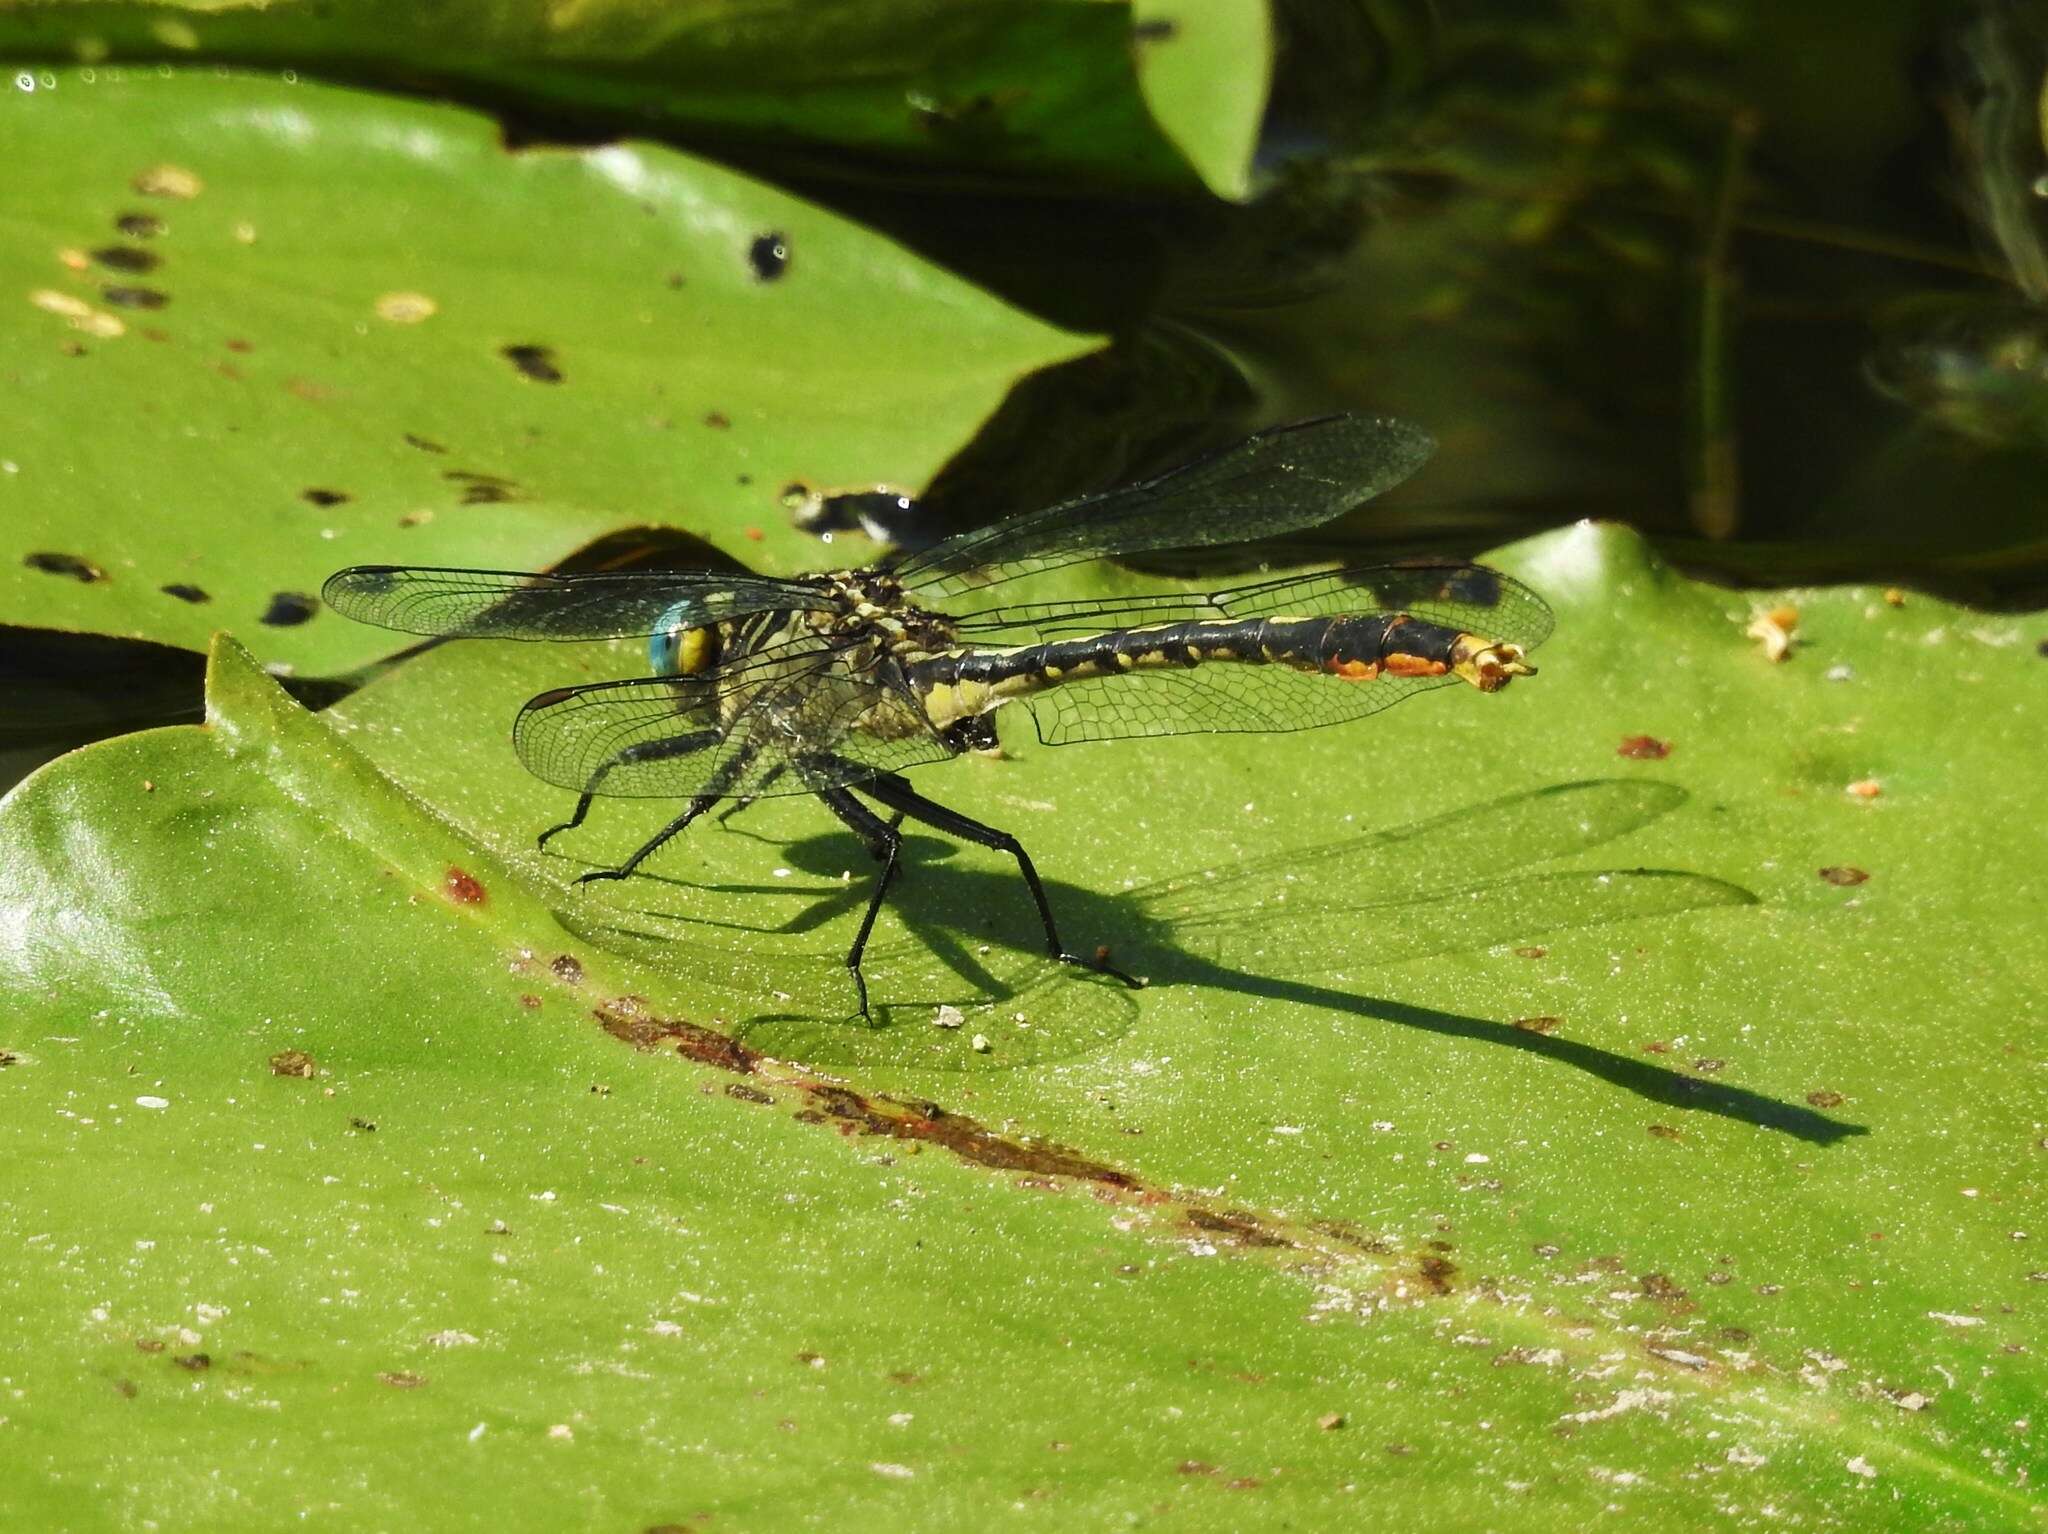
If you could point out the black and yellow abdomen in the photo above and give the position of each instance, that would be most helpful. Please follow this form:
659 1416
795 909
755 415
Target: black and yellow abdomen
1355 648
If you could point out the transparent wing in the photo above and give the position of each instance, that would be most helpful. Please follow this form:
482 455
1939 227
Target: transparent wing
1470 597
1279 481
1220 698
511 604
794 706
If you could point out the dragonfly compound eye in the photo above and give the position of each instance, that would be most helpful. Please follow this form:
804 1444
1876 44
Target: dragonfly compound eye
675 651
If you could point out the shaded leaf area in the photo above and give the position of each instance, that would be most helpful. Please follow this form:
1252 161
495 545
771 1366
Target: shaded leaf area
255 331
1586 1126
1161 97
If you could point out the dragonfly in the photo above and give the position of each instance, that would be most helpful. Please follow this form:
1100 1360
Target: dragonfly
836 684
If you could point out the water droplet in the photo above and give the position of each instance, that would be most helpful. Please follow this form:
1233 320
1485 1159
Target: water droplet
291 77
2041 186
24 81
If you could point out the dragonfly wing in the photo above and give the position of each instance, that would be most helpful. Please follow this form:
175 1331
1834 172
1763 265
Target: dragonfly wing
1278 481
1474 599
1219 699
512 604
1463 596
665 737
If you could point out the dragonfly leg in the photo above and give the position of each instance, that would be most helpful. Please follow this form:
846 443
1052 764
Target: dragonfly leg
697 807
885 843
898 795
646 751
741 803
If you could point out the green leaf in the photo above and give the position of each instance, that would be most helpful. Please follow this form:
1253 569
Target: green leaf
257 331
1083 97
1521 1123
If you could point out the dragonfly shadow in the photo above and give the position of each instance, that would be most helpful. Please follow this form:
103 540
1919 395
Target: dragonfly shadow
1294 926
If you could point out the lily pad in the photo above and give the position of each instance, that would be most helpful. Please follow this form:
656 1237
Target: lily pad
1165 96
256 331
1610 1094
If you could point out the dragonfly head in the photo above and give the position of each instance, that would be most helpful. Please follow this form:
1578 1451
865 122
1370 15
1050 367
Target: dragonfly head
1488 664
675 650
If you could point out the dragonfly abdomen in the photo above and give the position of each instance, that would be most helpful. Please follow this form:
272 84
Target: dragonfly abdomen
1355 648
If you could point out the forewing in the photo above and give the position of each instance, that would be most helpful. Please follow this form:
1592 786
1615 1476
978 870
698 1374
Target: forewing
511 604
1279 481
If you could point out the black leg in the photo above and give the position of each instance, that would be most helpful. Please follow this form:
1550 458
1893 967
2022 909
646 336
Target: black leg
884 844
897 793
646 751
715 786
697 807
739 804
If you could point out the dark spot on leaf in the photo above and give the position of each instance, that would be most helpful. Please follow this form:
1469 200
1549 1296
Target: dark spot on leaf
127 258
319 497
292 1062
768 256
1843 874
1663 1132
1709 1066
1237 1225
1539 1024
745 479
185 593
65 564
1643 748
1436 1274
8 1057
1156 29
567 969
747 1094
717 420
536 362
1400 1450
463 888
1532 953
237 344
140 226
480 489
1826 1099
134 298
402 1379
1195 1467
149 1345
1656 1047
1658 1286
125 1389
424 444
2041 649
288 609
530 1001
193 1361
367 1126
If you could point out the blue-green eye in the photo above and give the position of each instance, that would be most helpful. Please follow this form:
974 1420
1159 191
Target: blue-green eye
674 649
